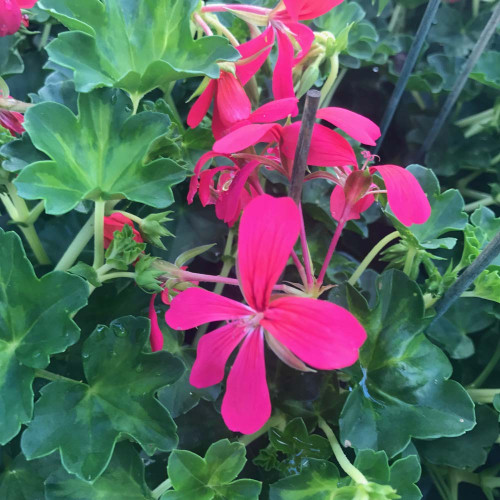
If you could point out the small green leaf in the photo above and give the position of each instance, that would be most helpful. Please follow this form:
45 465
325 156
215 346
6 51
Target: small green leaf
487 69
122 480
405 391
467 451
298 445
35 322
86 272
318 480
84 421
109 166
108 45
212 476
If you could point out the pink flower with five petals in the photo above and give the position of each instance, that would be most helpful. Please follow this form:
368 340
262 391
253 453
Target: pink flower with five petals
299 330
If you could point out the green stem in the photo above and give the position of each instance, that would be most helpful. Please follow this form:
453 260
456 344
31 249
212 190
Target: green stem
371 255
483 395
410 257
484 202
219 287
77 246
327 90
170 101
439 483
161 488
277 420
396 14
136 100
35 212
480 379
133 217
99 233
482 117
475 7
54 376
45 35
343 461
34 242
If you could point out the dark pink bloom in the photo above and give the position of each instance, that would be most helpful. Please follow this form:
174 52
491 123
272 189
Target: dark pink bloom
12 121
298 329
10 15
115 222
354 193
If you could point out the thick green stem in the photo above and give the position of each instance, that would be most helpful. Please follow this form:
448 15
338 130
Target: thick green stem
77 246
484 202
371 255
161 488
483 395
112 276
410 257
99 233
480 379
355 474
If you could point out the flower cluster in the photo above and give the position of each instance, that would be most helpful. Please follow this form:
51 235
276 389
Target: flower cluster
302 330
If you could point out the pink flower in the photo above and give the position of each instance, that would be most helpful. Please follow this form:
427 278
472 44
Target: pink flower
10 15
12 121
354 192
115 222
298 329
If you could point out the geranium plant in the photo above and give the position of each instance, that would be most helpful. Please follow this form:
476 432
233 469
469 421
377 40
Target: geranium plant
216 283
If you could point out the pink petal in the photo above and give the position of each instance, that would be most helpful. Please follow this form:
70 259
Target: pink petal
10 13
115 222
328 148
275 110
212 354
201 105
246 136
205 191
246 406
269 228
155 337
320 333
338 205
227 207
263 44
404 195
12 121
356 126
26 4
282 76
305 38
196 306
232 102
309 9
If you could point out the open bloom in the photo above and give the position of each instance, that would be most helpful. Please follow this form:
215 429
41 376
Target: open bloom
10 15
299 330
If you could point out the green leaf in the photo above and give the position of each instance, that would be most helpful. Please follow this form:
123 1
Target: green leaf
35 322
10 60
487 69
84 420
447 213
134 45
401 475
298 445
86 272
212 476
465 316
109 166
487 285
122 480
405 391
469 450
23 480
317 480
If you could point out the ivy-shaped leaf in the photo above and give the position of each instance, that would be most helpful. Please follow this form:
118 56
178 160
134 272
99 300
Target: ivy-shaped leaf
404 391
97 155
487 69
134 45
35 322
211 477
84 420
469 450
122 480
